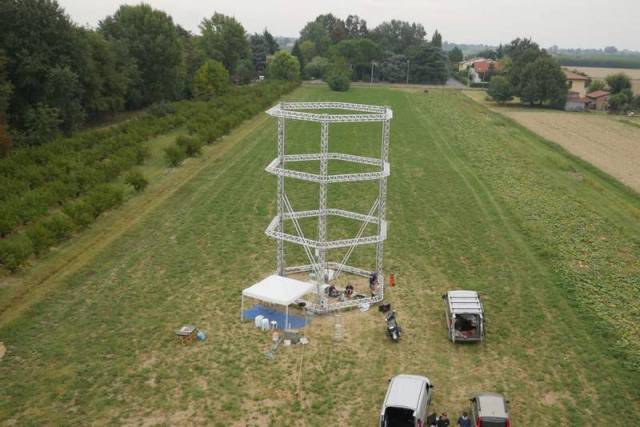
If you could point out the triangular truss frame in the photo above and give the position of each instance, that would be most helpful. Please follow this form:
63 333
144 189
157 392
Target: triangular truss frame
316 248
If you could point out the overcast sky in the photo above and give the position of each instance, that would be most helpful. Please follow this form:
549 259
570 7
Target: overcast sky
566 23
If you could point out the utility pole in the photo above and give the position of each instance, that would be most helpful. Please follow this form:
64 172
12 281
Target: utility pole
372 72
407 71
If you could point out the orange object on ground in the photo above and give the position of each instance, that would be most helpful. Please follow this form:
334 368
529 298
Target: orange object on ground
392 280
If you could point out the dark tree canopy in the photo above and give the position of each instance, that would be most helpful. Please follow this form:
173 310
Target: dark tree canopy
518 47
356 27
596 85
262 45
259 52
455 55
108 77
64 92
398 36
297 53
618 82
358 53
521 53
55 75
324 31
36 36
386 48
5 94
270 41
317 68
499 89
193 57
487 53
543 81
284 67
428 64
211 79
224 39
394 69
338 76
152 39
436 39
6 88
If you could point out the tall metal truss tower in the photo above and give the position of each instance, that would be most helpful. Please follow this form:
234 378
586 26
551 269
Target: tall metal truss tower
324 271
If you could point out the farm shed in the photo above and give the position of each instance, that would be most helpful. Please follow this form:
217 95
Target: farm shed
598 100
575 103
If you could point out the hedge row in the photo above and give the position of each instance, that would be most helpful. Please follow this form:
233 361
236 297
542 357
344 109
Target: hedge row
183 147
50 191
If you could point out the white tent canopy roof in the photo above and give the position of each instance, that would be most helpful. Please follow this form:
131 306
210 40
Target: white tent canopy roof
278 290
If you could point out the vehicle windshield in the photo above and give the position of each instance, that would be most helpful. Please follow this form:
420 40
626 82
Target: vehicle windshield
398 417
494 422
466 325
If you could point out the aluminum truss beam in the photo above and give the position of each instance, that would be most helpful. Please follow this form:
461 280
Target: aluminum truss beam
317 248
291 110
333 156
276 168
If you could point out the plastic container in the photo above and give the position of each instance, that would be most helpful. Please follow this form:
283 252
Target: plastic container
265 324
258 320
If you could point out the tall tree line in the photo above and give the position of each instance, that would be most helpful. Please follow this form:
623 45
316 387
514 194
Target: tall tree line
394 50
56 75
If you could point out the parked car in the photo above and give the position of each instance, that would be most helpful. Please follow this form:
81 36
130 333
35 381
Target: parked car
406 401
464 316
489 410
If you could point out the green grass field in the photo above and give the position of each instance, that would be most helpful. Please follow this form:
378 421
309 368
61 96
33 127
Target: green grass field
475 202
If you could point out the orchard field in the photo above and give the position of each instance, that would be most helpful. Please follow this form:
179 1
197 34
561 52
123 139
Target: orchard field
475 202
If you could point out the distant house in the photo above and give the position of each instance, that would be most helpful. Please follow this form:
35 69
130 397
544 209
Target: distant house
464 65
598 100
576 102
576 83
485 68
480 69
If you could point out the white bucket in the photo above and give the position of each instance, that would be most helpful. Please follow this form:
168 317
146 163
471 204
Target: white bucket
265 324
258 320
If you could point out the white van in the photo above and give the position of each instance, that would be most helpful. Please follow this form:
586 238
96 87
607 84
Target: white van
464 315
405 404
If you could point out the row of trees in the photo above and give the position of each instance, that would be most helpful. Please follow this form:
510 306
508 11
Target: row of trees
55 74
49 191
534 76
529 73
619 86
393 51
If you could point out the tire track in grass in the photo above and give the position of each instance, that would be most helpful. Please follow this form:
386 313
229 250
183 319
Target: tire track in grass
570 318
488 212
558 304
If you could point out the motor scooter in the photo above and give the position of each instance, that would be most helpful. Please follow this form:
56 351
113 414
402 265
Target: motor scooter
393 329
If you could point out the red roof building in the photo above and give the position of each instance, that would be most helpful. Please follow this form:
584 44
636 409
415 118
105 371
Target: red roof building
598 100
485 65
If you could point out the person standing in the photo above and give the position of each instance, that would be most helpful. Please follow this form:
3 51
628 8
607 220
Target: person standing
464 421
432 420
443 421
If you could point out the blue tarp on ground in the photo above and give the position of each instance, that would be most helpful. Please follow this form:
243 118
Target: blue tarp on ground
295 322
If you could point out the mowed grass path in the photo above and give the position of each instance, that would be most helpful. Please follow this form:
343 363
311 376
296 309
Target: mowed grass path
475 202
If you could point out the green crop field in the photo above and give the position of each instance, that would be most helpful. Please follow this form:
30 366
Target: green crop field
475 202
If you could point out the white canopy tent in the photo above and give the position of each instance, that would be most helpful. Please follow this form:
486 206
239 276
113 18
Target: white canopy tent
279 290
